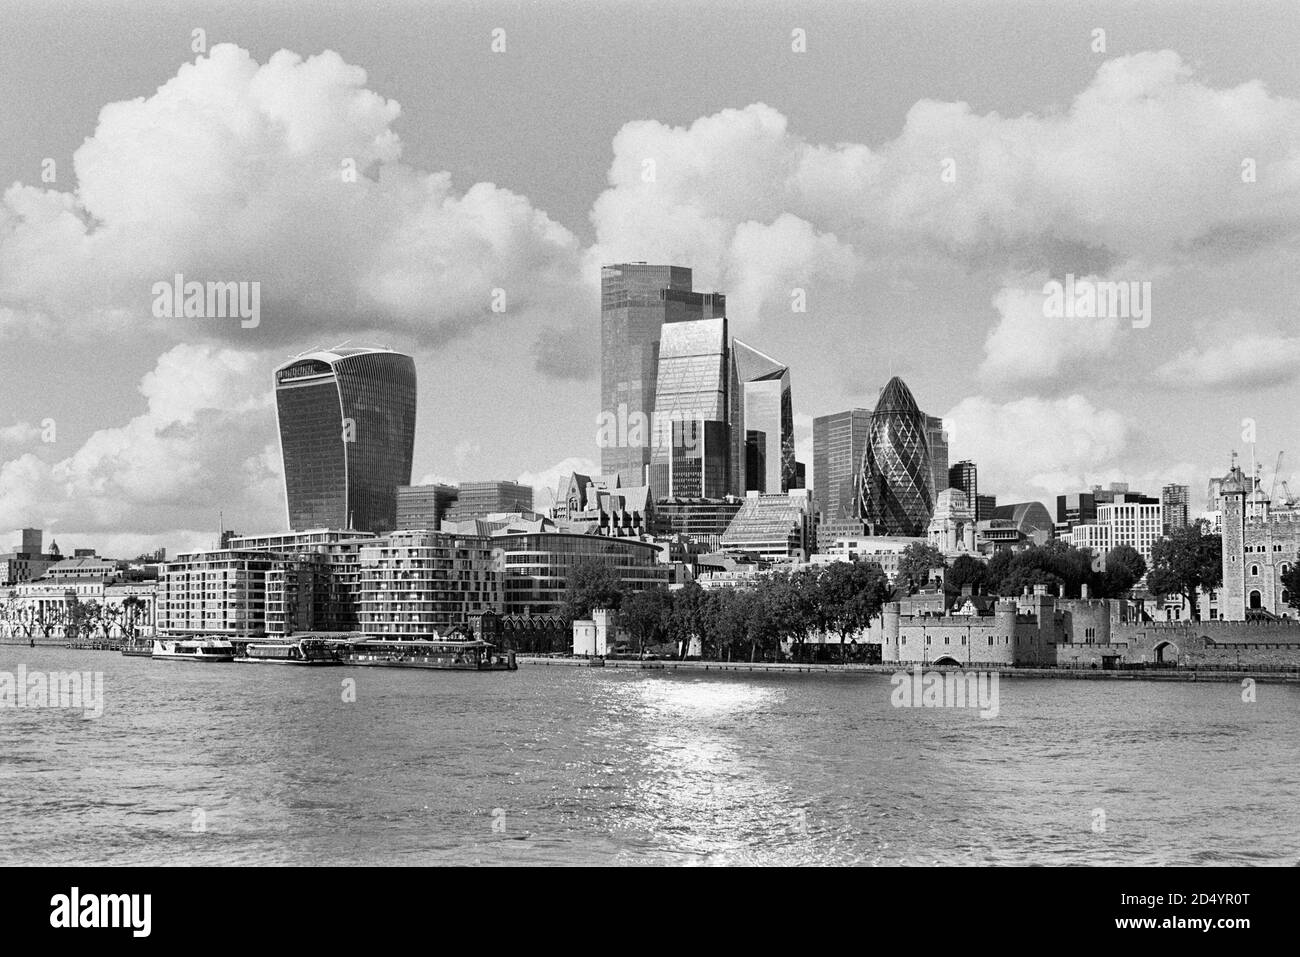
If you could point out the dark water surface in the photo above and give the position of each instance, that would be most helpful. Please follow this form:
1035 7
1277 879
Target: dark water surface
575 766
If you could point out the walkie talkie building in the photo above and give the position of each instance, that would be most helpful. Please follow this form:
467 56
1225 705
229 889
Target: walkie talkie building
896 482
347 436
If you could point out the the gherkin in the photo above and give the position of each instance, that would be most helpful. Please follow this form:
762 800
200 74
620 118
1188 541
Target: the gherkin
895 482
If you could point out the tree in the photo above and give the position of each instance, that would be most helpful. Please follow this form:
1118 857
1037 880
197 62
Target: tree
849 595
965 570
997 570
647 615
685 621
1188 559
915 565
1124 568
591 584
1291 583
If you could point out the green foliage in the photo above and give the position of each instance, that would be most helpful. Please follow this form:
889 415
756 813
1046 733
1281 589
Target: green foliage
915 564
1188 559
1125 567
591 584
1291 582
965 570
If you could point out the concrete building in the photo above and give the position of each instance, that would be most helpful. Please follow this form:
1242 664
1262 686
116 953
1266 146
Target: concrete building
422 584
477 499
1174 506
595 636
952 529
424 506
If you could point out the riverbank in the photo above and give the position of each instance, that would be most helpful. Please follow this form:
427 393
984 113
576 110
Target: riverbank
1131 674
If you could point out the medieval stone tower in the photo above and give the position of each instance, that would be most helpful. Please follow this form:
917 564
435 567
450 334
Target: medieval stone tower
1232 603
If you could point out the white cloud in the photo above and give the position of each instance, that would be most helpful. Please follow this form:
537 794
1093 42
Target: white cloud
1145 162
1231 359
1035 448
1029 346
236 171
199 448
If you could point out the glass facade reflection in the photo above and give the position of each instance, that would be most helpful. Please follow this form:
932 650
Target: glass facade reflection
768 408
347 436
896 481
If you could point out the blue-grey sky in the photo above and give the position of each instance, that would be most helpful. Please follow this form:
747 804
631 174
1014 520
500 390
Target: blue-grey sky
919 170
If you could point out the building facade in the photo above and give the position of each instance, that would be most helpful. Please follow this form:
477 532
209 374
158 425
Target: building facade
424 506
897 482
346 419
636 301
839 442
478 499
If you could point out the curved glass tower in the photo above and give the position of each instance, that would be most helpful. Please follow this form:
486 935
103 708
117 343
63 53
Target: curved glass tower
347 436
896 485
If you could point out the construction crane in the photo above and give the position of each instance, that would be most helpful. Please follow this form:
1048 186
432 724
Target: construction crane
1277 471
1289 501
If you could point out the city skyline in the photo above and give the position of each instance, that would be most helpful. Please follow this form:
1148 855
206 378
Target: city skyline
181 430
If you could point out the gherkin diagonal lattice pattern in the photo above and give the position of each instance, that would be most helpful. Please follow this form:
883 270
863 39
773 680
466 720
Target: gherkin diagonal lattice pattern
896 494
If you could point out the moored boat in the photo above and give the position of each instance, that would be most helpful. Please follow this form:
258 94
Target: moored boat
137 647
193 649
435 654
305 651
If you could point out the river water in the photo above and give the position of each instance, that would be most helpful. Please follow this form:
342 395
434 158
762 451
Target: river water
251 764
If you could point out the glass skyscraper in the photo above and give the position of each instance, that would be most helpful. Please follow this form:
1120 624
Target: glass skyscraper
692 386
636 301
768 408
839 441
897 483
347 436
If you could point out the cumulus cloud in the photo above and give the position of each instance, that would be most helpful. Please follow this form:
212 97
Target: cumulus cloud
1146 162
235 171
1027 345
204 444
1033 447
1233 360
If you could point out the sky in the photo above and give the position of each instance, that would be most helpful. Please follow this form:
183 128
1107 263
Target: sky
915 174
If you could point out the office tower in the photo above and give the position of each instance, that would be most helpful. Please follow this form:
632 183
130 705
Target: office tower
985 505
839 441
693 385
937 439
1174 500
897 483
965 476
765 385
347 435
1076 508
424 506
755 461
477 499
697 465
33 539
636 301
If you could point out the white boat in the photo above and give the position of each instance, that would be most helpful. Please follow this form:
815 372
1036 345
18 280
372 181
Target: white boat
193 649
306 651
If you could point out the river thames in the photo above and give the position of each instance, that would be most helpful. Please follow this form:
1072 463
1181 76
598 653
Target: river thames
245 764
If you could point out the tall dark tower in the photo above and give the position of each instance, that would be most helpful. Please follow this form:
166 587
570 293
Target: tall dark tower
347 435
636 300
896 483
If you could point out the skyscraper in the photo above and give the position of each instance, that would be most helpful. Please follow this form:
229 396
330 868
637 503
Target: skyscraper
965 476
693 385
636 300
938 441
765 385
839 441
1173 500
347 436
896 479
